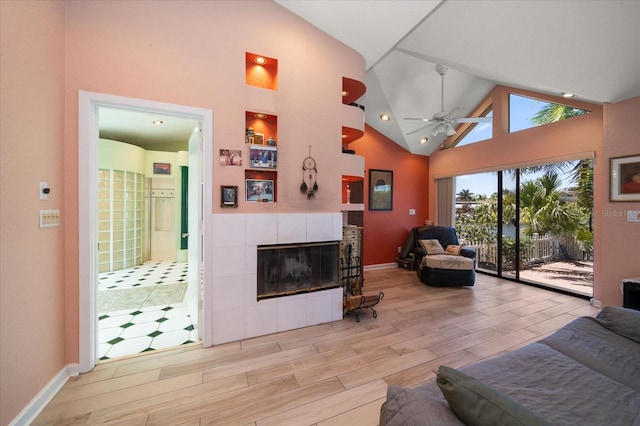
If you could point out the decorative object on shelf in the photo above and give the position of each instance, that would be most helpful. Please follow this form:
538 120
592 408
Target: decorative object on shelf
625 178
259 190
161 168
230 157
249 136
228 196
380 189
263 157
258 139
271 141
309 184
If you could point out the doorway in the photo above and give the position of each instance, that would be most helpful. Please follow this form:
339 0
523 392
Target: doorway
90 251
143 204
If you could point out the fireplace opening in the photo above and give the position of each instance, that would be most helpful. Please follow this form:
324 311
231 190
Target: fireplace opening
287 269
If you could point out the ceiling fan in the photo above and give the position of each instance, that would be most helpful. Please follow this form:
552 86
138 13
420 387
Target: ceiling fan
445 122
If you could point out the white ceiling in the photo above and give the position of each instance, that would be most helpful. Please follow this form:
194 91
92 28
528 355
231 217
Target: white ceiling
590 48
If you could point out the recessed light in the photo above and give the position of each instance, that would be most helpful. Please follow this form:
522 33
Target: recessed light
567 95
157 122
260 60
384 117
259 115
423 141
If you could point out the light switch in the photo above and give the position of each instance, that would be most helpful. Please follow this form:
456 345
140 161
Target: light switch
412 212
49 218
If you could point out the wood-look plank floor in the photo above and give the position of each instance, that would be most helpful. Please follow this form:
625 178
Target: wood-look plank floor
329 374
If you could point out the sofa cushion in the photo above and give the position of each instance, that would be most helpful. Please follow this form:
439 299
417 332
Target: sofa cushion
448 261
432 246
476 403
414 407
453 249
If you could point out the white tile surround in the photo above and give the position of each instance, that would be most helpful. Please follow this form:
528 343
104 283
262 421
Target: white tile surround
237 314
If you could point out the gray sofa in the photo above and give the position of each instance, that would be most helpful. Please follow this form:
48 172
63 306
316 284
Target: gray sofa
586 373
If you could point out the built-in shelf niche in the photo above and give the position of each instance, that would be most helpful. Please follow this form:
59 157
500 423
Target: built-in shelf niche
352 90
261 71
264 126
257 181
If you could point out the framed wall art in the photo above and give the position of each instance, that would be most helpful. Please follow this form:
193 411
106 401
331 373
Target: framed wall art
380 189
261 156
259 190
161 168
625 178
228 196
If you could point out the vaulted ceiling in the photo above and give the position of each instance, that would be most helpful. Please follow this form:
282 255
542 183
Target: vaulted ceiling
589 48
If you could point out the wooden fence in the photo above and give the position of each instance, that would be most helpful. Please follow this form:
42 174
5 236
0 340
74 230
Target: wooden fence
543 248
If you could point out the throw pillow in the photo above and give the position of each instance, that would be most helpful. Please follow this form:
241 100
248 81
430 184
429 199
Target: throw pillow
476 403
432 246
453 249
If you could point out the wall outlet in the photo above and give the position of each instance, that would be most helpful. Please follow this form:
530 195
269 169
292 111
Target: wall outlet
633 216
399 249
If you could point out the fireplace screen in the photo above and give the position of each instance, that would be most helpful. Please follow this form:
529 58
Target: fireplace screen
297 268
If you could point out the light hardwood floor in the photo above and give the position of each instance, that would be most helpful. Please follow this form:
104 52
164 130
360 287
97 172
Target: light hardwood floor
329 374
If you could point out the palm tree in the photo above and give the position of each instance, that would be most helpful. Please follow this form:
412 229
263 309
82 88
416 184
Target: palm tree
465 196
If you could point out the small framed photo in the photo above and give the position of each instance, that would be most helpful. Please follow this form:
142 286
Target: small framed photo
380 189
259 190
230 157
258 139
625 178
161 168
228 196
263 157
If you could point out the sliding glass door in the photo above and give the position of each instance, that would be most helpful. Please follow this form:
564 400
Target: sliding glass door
532 225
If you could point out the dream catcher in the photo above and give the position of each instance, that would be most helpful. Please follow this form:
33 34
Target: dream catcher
309 177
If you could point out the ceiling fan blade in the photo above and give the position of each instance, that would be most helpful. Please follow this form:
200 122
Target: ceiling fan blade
473 120
418 129
417 119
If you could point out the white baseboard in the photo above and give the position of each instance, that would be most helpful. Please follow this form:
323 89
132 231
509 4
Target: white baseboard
595 302
380 266
37 404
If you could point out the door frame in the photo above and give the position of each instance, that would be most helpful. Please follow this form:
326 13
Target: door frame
88 131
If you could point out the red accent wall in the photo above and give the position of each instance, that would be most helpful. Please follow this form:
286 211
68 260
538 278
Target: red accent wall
384 231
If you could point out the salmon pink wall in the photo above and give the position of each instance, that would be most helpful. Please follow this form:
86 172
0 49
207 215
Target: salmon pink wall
384 231
616 243
609 131
186 53
32 294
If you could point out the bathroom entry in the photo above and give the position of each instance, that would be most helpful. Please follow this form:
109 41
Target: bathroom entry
147 293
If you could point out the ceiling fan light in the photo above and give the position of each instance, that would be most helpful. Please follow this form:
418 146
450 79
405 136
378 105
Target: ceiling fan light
450 131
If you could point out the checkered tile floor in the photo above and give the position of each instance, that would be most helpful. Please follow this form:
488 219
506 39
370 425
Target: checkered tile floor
132 331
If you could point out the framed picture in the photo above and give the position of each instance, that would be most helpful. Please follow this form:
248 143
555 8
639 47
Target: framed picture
230 157
258 139
228 196
161 168
259 190
262 156
380 189
625 178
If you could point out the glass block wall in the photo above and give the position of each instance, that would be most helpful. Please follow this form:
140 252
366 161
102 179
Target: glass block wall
120 219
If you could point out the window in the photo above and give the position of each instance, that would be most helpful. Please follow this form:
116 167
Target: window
525 113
